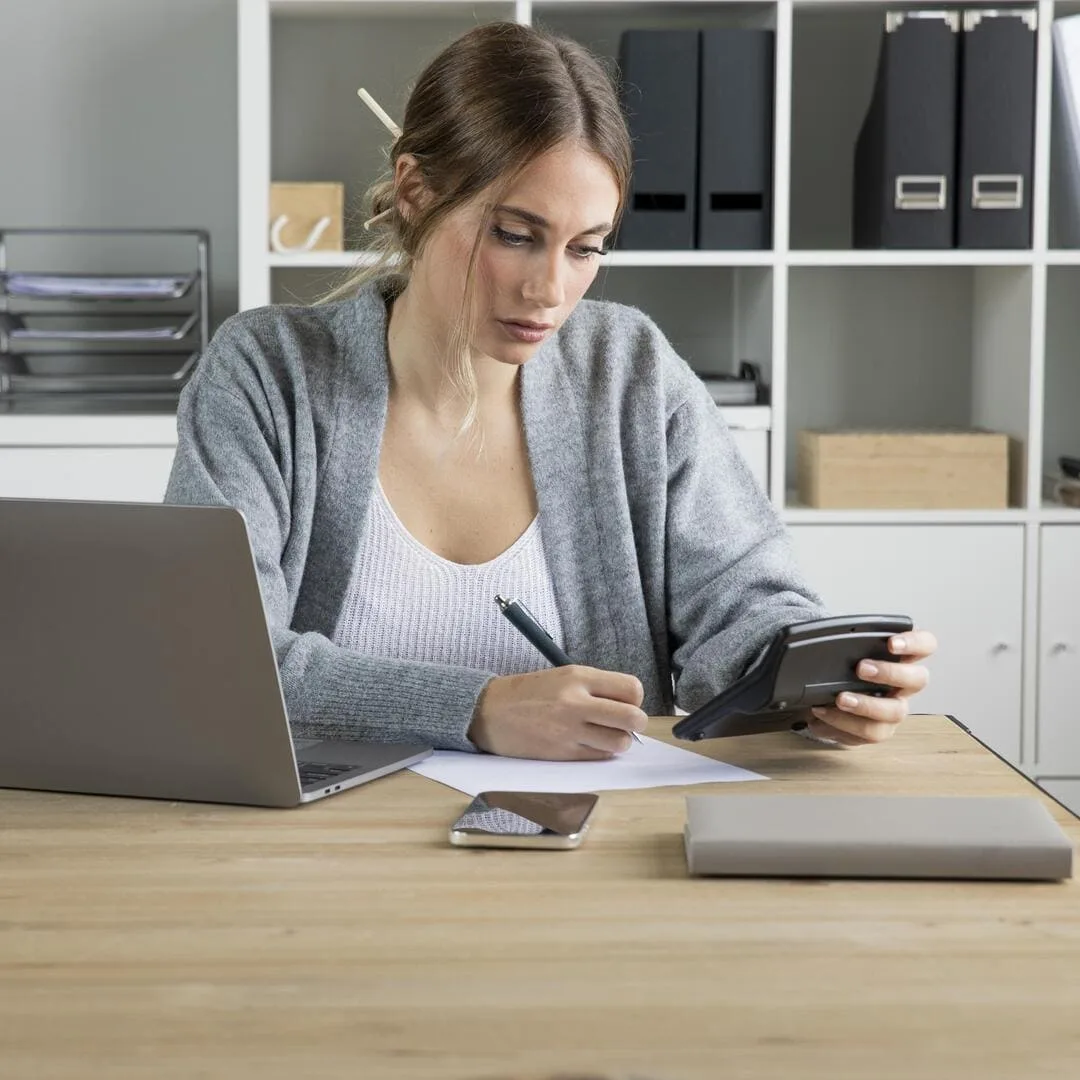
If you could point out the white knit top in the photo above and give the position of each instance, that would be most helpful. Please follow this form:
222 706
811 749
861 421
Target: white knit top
407 603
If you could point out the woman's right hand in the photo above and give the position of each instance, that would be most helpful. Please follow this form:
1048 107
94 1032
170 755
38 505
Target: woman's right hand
571 713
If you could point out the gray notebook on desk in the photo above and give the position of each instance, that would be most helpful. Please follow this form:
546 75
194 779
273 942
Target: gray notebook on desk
876 836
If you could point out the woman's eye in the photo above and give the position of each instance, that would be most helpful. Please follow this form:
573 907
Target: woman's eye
511 238
589 252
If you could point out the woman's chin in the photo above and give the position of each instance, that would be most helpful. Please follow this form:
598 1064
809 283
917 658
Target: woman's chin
508 352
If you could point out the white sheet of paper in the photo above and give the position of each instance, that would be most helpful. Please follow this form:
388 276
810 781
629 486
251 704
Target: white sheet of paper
650 763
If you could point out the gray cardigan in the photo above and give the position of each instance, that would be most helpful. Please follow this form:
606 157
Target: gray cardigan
667 559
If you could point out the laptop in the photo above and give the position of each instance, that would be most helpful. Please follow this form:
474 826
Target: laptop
135 659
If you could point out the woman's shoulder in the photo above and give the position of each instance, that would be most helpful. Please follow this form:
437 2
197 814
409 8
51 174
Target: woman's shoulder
623 324
279 334
286 345
625 348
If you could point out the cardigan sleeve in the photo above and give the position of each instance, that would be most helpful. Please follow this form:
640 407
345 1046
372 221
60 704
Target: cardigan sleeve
732 578
232 450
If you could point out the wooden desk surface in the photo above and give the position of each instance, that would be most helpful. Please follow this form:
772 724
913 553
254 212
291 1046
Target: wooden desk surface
346 938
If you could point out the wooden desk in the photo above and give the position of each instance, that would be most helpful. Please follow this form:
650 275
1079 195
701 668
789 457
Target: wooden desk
347 939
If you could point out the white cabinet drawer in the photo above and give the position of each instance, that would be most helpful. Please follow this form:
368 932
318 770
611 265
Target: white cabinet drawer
112 473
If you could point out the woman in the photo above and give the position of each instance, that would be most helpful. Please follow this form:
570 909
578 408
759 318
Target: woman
457 423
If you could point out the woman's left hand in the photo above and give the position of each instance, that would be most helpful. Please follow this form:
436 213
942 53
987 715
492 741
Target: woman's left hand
858 719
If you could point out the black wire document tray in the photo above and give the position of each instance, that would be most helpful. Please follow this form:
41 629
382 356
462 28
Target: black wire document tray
68 286
74 373
115 331
806 664
13 329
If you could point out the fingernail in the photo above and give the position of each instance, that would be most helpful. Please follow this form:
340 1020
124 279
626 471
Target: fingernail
899 644
847 701
869 668
818 712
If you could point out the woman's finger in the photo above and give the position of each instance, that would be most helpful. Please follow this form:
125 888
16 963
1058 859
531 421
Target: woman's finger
822 730
904 678
860 726
890 710
913 645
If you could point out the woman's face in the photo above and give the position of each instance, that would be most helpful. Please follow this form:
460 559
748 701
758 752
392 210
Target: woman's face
539 252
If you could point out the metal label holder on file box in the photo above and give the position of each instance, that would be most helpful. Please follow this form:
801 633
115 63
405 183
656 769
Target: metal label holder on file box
921 192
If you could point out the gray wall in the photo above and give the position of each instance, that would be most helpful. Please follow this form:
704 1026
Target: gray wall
122 113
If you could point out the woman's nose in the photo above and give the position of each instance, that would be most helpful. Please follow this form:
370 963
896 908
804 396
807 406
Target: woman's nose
545 286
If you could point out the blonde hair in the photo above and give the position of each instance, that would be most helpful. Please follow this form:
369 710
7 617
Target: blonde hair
483 109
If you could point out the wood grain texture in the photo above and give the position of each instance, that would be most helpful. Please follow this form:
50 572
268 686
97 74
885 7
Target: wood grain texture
903 470
347 938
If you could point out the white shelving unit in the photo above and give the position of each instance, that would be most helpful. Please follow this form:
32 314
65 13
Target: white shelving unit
845 337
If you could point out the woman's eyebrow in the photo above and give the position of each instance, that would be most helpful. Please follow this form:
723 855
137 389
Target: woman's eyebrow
543 223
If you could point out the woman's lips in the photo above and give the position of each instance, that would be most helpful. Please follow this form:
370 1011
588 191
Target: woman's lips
525 332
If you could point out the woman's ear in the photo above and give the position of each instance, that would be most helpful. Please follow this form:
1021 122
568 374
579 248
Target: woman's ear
410 190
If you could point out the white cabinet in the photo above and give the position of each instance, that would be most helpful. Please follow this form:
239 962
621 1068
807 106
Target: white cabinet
1058 731
128 474
963 582
124 458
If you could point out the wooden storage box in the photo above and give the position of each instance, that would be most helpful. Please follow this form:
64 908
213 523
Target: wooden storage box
914 470
299 213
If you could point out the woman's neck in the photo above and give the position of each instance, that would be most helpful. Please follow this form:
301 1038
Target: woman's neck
416 349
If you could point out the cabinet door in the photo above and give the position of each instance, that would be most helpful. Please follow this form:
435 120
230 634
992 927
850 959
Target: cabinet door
123 473
1058 732
963 582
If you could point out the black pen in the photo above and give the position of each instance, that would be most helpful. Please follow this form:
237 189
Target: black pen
523 619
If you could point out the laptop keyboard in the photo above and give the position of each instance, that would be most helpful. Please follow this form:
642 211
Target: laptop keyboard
314 773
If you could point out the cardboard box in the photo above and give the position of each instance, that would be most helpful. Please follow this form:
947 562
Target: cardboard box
303 206
914 470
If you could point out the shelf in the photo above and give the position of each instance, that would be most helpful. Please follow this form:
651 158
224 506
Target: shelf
383 8
317 260
794 514
1051 513
689 258
896 257
136 429
614 259
347 259
648 7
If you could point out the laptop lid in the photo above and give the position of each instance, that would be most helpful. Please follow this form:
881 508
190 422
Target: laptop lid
135 657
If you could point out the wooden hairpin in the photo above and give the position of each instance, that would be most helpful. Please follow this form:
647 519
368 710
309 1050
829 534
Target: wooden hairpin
394 130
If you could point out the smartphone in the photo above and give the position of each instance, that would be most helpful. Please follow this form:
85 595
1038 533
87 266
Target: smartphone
525 819
806 664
